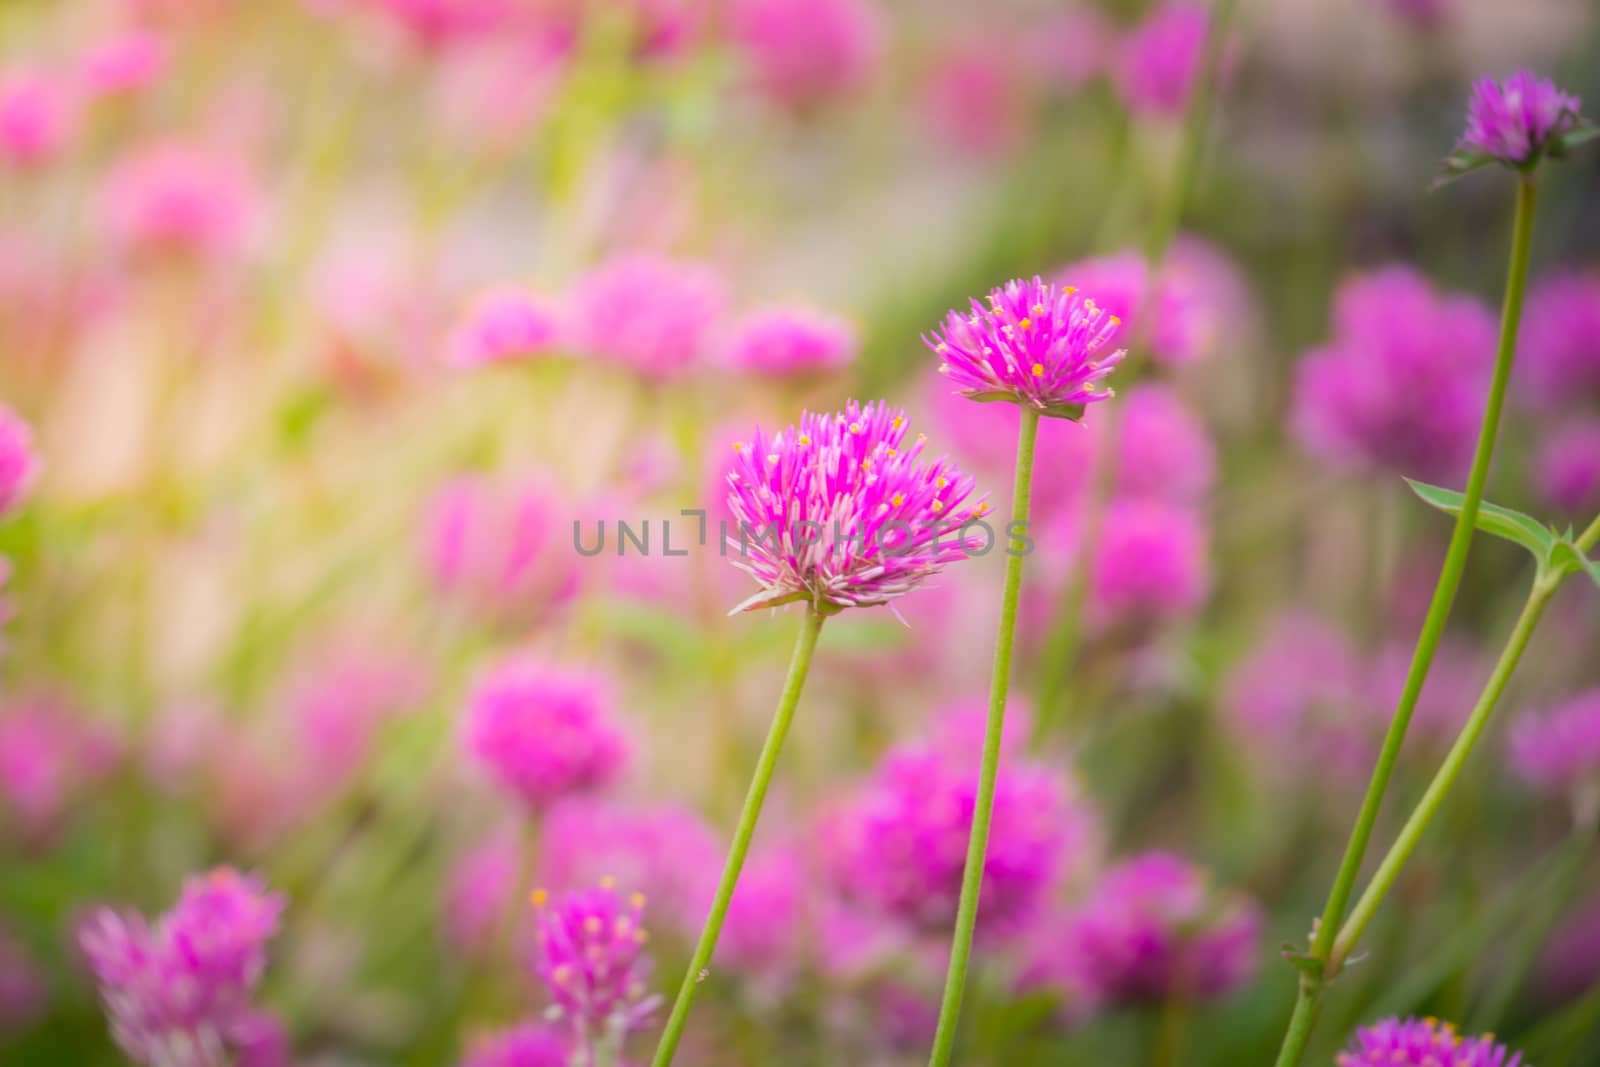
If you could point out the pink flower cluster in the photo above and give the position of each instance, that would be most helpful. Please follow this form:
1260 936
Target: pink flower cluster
19 464
790 340
1160 60
1422 1043
591 960
526 1045
49 752
1514 120
505 323
180 991
498 546
803 52
1558 353
1561 748
180 198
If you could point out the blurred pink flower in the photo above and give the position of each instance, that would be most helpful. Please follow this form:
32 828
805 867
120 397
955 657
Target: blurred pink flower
1069 48
506 323
1166 450
1161 59
49 752
802 52
1558 356
1567 467
124 63
1513 121
1447 698
538 1044
975 101
478 890
652 315
19 464
24 986
666 852
1151 564
791 340
337 703
590 956
38 117
1561 748
176 197
544 732
1570 964
766 932
500 546
1400 385
1422 1043
491 94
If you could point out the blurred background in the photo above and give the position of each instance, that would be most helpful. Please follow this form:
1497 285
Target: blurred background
324 323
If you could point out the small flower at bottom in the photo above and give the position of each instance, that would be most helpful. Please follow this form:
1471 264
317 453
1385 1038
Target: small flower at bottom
590 957
1035 344
527 1045
841 512
1422 1043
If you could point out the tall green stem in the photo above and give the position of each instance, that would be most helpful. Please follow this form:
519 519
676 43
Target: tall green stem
978 842
1444 594
799 665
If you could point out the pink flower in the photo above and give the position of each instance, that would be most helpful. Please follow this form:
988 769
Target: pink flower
1161 60
48 753
1512 121
1422 1043
1567 467
791 340
38 116
1560 749
1069 48
591 959
841 512
180 991
804 51
506 323
1400 385
478 891
490 95
544 732
766 930
1151 564
652 315
974 99
1166 451
527 1045
19 464
1558 356
499 546
179 198
124 63
337 705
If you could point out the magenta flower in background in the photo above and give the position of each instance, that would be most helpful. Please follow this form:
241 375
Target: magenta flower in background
49 753
666 852
544 732
477 892
19 464
528 1045
591 959
1422 1043
974 98
337 704
1070 47
174 197
652 315
504 324
766 932
124 63
501 546
1151 565
791 340
38 117
1447 697
1567 467
1160 60
24 986
1035 345
1560 749
1167 452
1395 339
1513 121
1156 928
803 52
841 512
180 991
1558 359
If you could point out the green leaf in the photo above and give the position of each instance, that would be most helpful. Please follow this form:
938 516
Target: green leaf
1302 961
1513 526
1566 559
1458 163
1560 146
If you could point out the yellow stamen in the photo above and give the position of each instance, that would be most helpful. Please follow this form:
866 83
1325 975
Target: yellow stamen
1038 370
1026 324
539 898
608 882
898 499
636 899
938 505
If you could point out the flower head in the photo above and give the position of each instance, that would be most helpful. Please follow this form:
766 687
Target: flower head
1161 58
175 197
591 959
1561 748
1558 358
495 545
544 732
48 752
652 315
179 991
503 324
1422 1043
1567 467
1035 344
18 462
527 1045
1151 563
804 51
841 512
791 340
124 63
1514 121
38 116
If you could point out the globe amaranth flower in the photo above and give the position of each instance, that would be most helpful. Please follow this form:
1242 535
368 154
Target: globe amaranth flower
497 546
1166 450
590 958
179 992
19 464
766 932
1035 345
804 52
841 512
38 117
1561 748
1151 564
898 847
478 889
791 340
544 732
123 63
503 324
49 751
1161 59
527 1045
652 315
178 198
1155 928
1567 467
1517 120
975 96
1422 1043
1395 340
1558 358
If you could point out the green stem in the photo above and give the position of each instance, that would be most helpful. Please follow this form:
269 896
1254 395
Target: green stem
799 665
978 842
1444 594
